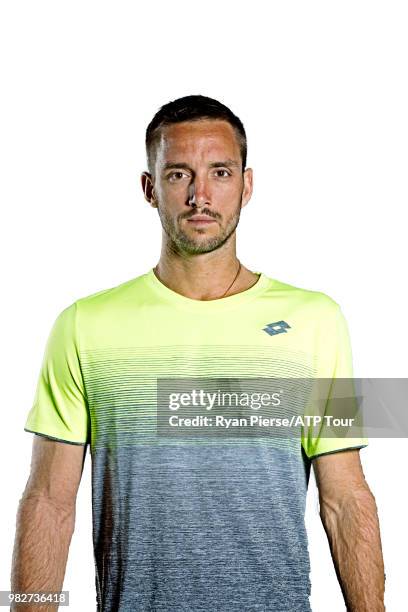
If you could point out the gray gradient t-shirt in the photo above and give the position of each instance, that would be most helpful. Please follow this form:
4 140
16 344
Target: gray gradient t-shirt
200 523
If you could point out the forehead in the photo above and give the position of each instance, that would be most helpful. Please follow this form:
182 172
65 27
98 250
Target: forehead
197 138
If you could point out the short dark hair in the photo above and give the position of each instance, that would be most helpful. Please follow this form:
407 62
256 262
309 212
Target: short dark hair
192 108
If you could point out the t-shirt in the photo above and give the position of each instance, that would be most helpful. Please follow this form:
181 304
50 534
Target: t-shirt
194 522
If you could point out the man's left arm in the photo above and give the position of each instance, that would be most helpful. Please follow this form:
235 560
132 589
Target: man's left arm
349 515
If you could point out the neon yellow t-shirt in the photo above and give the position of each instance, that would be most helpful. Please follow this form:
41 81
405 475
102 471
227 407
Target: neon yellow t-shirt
213 518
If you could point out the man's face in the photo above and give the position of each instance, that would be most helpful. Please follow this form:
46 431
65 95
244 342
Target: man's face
198 171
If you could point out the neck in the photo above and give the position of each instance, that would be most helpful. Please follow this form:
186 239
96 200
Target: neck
206 276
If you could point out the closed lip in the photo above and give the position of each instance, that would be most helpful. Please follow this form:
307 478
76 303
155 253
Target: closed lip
201 218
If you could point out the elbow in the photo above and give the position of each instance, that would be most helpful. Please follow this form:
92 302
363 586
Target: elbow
37 505
359 499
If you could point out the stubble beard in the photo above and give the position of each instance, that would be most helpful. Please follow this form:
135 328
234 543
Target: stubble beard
181 242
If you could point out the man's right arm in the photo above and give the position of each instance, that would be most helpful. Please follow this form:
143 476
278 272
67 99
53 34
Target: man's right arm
46 519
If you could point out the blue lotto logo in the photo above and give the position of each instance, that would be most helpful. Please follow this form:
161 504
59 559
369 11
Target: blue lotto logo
279 327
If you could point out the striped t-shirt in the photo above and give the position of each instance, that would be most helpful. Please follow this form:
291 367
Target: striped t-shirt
203 521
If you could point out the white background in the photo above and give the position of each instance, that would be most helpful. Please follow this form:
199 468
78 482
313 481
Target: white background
322 90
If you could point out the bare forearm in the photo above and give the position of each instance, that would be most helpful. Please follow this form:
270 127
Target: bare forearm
353 531
43 535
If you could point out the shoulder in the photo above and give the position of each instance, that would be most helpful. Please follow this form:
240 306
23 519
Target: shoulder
97 306
318 301
111 294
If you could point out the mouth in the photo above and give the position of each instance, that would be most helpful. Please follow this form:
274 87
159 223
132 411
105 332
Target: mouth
201 219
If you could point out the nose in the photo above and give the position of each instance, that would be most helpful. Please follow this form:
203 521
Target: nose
198 193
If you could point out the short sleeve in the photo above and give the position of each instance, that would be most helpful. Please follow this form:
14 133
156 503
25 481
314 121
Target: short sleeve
60 409
335 380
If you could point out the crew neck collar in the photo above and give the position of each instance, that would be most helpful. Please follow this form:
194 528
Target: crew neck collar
207 305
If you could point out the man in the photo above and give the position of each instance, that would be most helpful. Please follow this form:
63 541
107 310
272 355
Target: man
200 522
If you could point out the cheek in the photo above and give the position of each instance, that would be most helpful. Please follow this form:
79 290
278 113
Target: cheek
230 190
171 192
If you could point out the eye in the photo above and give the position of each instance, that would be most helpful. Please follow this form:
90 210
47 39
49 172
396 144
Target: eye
175 176
222 173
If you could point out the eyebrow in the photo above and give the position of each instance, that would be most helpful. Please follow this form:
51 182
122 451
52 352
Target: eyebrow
219 164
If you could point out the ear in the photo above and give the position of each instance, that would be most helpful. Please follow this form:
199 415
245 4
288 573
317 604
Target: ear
148 188
248 187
